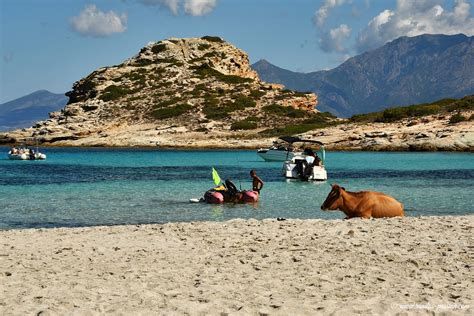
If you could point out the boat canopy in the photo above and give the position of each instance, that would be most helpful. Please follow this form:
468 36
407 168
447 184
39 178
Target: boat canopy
293 139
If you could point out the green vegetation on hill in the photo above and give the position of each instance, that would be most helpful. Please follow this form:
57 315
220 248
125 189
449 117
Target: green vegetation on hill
205 70
174 111
114 92
214 110
158 48
394 114
246 124
314 121
286 111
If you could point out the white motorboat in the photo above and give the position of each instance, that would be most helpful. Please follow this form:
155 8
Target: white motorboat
25 153
281 150
308 165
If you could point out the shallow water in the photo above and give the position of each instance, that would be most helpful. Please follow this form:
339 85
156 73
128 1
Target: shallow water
83 187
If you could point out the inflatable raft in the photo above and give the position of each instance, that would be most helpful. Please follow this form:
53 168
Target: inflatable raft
229 193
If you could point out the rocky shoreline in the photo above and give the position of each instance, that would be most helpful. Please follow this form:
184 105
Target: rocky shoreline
427 134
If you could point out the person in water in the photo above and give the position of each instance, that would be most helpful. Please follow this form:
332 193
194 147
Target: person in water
257 183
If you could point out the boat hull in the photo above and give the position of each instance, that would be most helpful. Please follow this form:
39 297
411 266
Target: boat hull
291 170
38 156
250 196
213 197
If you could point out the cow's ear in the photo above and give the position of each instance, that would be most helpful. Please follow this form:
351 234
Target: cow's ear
343 188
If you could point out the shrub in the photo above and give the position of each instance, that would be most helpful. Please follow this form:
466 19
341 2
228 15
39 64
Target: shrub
143 62
393 114
215 39
214 113
371 117
210 54
466 103
167 103
456 118
244 102
114 92
422 110
214 110
207 71
417 110
174 111
210 100
158 48
88 108
316 119
135 76
292 129
287 111
203 46
86 86
256 94
243 125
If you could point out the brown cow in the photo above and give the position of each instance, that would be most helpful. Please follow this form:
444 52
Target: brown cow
364 204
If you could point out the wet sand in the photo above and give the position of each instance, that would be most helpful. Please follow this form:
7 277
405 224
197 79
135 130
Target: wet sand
368 267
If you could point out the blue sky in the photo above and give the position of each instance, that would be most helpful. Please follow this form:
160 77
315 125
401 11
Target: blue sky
49 44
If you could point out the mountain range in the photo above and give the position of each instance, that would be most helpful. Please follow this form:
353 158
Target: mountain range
405 71
25 111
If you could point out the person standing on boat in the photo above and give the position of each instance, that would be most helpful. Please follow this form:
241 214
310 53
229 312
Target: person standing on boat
257 183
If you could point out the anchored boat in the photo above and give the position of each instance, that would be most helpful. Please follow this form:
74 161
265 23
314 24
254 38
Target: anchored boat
26 153
307 165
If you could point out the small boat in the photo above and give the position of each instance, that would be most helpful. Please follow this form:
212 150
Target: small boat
306 165
26 153
228 193
281 150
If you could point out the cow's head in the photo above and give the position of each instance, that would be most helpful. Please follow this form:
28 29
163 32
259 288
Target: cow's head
333 200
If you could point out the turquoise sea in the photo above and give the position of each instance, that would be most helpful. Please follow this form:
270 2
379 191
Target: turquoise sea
96 186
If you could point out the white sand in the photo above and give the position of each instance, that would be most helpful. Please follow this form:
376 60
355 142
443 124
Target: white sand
410 265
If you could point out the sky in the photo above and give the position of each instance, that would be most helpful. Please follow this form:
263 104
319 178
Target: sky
50 44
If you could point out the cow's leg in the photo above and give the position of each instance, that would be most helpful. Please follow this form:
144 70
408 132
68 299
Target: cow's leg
365 212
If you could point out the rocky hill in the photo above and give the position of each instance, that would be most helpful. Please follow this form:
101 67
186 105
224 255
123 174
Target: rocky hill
175 86
406 71
25 111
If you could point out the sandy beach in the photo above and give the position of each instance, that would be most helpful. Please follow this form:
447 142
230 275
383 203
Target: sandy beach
368 267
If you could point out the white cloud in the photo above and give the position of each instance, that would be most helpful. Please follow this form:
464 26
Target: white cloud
334 39
322 13
173 5
191 7
93 22
412 18
199 7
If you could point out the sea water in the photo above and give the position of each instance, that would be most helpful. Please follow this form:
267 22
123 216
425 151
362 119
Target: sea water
96 186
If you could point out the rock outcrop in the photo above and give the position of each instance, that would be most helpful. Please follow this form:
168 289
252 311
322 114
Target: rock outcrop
202 85
430 133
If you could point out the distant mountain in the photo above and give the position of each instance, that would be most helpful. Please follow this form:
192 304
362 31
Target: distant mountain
405 71
25 111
